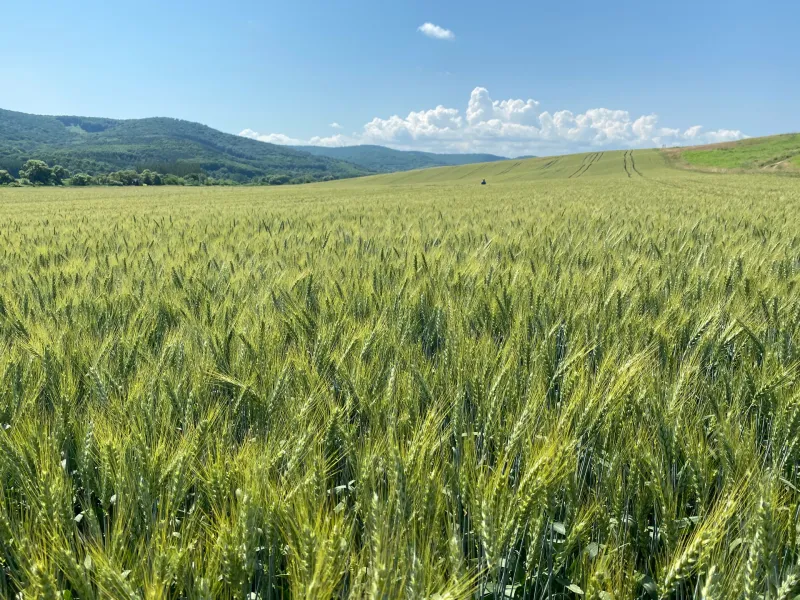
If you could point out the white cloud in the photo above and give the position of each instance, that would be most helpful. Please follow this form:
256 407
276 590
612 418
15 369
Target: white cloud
285 140
482 108
272 138
693 131
335 125
724 135
513 127
436 32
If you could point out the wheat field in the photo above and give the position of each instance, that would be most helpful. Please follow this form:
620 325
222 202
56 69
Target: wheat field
408 386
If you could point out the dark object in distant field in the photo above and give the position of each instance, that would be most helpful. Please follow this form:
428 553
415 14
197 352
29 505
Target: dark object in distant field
483 182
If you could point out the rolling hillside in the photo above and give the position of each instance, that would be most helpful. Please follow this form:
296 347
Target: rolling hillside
380 159
778 153
625 164
96 146
775 154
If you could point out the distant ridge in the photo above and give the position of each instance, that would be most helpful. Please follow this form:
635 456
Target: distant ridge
97 146
172 146
380 159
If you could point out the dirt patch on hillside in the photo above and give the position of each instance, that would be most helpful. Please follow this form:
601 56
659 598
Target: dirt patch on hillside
783 164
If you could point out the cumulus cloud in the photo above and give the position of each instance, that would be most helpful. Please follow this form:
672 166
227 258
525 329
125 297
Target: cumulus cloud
272 138
285 140
436 32
513 127
335 125
482 108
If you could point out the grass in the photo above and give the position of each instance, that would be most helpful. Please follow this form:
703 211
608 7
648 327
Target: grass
755 153
404 387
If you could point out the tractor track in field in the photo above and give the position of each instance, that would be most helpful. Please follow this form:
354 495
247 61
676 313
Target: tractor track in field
625 163
467 174
520 174
588 161
581 167
596 158
509 168
633 165
548 164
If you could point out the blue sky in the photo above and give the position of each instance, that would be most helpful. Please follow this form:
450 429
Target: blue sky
519 77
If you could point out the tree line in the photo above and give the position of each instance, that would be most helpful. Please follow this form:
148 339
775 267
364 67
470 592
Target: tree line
39 173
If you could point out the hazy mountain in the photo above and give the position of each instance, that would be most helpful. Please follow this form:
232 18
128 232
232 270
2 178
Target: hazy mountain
386 160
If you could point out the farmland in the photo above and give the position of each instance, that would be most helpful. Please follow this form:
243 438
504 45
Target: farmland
580 380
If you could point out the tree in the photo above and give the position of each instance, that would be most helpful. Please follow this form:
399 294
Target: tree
81 179
37 172
128 177
5 177
278 179
170 179
59 174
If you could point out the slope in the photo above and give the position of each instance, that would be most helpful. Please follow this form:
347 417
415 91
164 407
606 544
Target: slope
767 155
95 146
625 164
387 160
773 153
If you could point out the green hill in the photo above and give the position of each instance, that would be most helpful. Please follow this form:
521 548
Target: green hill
380 159
780 153
97 146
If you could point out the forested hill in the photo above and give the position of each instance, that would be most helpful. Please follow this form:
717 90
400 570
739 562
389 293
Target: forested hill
380 159
97 146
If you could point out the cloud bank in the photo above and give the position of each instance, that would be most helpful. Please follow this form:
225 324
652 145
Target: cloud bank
436 32
512 127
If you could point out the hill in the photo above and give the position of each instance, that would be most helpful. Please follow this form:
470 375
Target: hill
380 159
779 153
97 146
625 164
774 154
